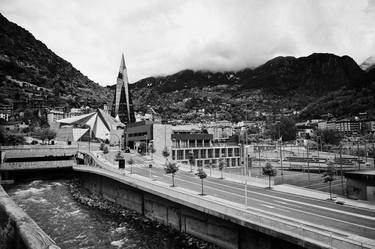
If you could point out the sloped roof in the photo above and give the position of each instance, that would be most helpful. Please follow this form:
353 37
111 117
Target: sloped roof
100 123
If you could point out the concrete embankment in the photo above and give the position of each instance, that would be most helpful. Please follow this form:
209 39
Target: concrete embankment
18 230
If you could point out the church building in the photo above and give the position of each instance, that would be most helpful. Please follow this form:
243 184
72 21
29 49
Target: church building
122 108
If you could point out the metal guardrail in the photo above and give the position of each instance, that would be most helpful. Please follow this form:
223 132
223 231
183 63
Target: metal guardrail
303 230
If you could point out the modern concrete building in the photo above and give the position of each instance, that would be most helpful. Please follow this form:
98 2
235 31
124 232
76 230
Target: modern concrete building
98 124
361 185
180 140
122 108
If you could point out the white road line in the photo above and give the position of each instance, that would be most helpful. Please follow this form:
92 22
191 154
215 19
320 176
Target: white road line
269 206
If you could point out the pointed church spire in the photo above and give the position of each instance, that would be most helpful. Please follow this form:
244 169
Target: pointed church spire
122 63
122 104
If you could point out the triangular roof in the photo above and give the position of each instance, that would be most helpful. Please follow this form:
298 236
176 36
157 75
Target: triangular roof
100 123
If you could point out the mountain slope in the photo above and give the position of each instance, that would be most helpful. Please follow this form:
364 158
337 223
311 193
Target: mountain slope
25 59
281 83
368 64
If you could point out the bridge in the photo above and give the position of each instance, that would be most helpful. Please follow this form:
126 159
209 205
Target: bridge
231 214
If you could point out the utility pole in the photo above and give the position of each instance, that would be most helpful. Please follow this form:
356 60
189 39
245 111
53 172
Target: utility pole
308 164
281 162
246 193
89 138
318 154
342 173
366 150
260 168
359 163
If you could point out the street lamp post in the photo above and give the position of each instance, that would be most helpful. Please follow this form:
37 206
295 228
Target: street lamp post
308 164
260 168
146 145
281 161
342 173
318 138
245 192
89 138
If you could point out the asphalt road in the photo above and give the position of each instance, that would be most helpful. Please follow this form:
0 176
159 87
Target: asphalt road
340 219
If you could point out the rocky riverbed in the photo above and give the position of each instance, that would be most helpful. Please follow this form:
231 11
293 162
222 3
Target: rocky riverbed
172 238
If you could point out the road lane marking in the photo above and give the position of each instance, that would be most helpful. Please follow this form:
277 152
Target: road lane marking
269 206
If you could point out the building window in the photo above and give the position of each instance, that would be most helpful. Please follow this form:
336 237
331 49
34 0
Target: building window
191 143
237 152
196 154
199 163
217 152
203 153
210 153
180 155
173 155
230 152
234 162
199 143
223 152
206 143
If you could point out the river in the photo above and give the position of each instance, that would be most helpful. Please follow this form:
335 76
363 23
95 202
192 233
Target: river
72 224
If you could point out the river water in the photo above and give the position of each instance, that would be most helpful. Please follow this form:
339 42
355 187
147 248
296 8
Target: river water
74 225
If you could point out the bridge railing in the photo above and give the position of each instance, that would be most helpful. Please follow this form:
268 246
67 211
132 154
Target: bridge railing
260 220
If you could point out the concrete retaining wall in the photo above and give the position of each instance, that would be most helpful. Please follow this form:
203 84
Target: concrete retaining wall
217 230
36 165
18 230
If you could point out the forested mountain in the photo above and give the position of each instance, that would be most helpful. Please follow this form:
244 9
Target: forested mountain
26 59
315 84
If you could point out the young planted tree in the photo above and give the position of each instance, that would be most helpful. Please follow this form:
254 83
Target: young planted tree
221 167
171 168
50 134
328 177
166 155
46 134
201 174
101 147
152 150
119 156
131 162
142 149
105 150
269 171
191 160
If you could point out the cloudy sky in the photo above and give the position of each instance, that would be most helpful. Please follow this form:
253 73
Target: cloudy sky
164 36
